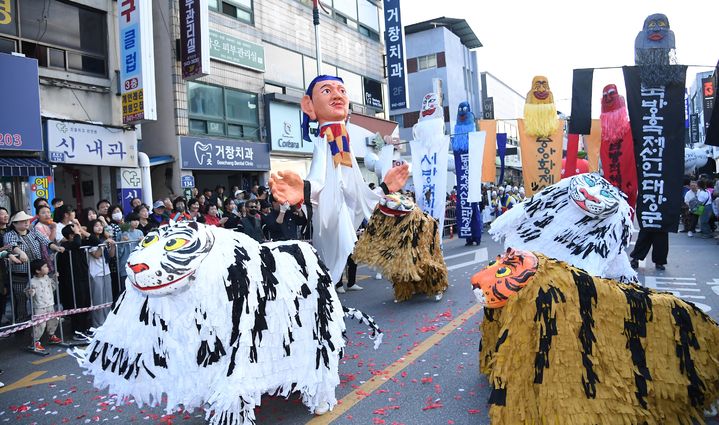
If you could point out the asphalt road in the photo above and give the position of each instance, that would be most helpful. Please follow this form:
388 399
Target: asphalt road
425 372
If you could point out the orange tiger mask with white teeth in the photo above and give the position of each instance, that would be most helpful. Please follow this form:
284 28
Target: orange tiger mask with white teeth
504 277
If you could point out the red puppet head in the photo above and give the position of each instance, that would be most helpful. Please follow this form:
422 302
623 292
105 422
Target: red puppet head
613 118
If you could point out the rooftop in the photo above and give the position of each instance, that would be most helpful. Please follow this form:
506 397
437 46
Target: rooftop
459 27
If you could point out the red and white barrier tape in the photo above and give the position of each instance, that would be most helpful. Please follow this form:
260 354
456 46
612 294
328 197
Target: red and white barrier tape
36 320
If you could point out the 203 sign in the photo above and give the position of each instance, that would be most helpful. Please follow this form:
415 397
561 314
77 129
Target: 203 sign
131 84
8 139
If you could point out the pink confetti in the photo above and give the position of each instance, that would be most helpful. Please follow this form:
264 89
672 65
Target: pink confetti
473 411
427 380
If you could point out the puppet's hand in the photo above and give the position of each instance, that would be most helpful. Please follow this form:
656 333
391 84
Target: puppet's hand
287 186
396 177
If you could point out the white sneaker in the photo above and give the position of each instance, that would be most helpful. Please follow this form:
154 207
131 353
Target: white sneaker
439 296
378 276
341 290
1 385
690 234
322 408
355 287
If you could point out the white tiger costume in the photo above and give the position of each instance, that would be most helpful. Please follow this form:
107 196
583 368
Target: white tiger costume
582 220
213 319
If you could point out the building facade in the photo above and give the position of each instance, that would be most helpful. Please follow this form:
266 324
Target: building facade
443 49
74 47
235 125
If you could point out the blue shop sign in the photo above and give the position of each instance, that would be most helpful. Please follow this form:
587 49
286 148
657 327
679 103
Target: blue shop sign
394 51
20 126
199 153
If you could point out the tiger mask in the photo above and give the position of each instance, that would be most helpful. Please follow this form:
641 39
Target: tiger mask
504 277
166 259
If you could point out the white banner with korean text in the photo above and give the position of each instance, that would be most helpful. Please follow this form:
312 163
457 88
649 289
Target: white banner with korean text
430 151
78 143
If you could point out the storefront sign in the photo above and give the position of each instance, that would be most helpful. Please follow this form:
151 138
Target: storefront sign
394 42
20 127
227 48
7 17
137 63
195 38
40 187
285 121
373 93
708 96
77 143
199 153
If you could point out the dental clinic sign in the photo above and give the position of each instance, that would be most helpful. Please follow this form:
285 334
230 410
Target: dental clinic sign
201 153
137 64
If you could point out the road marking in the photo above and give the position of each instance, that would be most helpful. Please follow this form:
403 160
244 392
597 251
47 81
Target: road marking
49 359
713 282
449 257
479 256
29 381
679 286
377 381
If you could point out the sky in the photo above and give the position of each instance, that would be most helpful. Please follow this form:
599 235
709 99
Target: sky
522 39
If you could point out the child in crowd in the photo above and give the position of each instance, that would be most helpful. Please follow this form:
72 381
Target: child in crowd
41 289
130 238
100 254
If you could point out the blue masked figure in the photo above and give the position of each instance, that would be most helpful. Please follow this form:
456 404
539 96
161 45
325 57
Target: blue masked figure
469 215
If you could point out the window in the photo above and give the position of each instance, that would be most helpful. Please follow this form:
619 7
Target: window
361 15
427 62
58 34
220 111
238 9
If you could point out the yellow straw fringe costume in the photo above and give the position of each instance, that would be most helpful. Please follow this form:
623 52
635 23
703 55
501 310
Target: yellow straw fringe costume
574 349
407 250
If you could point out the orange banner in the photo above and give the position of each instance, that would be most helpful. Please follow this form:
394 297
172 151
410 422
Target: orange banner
489 169
541 159
592 143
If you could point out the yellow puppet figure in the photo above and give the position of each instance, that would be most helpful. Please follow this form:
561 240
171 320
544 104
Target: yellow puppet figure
540 113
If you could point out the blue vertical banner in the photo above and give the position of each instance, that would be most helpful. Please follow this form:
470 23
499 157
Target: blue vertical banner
20 127
125 196
394 50
464 208
501 151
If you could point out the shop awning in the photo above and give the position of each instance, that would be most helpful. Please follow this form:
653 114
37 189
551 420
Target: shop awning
159 160
24 167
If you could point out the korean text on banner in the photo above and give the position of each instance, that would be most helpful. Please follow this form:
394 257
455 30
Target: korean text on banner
394 51
541 159
137 61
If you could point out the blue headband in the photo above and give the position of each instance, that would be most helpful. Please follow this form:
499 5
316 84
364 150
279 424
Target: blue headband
305 117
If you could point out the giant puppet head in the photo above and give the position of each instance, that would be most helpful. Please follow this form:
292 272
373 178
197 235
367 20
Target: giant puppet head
324 101
464 114
464 125
654 51
540 113
431 107
613 118
504 277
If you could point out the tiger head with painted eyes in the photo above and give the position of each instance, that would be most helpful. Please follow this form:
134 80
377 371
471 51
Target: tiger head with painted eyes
504 277
594 195
165 260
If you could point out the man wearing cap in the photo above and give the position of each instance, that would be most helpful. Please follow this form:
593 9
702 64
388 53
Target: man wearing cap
335 187
26 243
158 212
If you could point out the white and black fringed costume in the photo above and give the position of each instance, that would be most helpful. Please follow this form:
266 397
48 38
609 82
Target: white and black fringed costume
582 220
213 319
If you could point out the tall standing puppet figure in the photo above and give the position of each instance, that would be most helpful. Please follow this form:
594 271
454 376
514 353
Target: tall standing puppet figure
617 150
469 214
540 137
654 51
334 188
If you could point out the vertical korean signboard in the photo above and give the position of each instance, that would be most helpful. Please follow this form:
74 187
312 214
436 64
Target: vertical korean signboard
394 45
137 62
195 38
708 97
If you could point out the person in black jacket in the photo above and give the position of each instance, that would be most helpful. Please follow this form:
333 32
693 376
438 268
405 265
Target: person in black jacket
74 285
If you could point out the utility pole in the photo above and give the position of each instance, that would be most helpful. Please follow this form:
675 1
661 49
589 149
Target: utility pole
316 23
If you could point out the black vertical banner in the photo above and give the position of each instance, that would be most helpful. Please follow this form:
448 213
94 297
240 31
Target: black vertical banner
581 122
712 120
657 120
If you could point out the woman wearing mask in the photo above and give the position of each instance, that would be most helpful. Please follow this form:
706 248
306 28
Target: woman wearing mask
114 228
234 220
179 212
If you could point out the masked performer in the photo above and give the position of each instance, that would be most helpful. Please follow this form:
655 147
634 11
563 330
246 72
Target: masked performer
469 214
335 189
404 243
560 346
582 220
617 148
212 319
